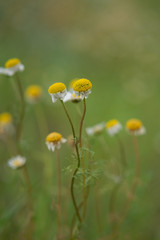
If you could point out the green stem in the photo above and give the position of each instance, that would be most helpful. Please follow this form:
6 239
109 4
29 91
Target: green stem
78 164
59 197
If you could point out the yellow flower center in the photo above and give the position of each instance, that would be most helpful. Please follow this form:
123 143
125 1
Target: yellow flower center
57 87
17 163
5 118
33 91
134 124
82 85
111 123
54 137
12 62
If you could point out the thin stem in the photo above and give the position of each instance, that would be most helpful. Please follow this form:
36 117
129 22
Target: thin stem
122 152
81 123
115 234
30 205
59 196
20 124
78 164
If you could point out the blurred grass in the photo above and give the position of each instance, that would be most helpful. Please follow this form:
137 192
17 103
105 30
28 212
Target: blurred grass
115 44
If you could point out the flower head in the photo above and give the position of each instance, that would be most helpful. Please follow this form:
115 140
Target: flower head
113 127
12 66
33 93
54 140
57 91
6 123
72 97
17 162
135 127
82 87
96 129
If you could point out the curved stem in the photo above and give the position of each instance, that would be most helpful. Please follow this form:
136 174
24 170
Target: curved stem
81 123
30 205
59 197
78 165
20 124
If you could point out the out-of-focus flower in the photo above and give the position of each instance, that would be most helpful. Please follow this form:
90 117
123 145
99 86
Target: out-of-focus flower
12 66
113 127
134 126
54 140
57 91
33 93
6 125
82 87
72 97
96 129
17 162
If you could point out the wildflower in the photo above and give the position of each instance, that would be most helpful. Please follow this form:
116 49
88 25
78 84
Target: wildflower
54 140
6 123
134 126
96 129
72 97
82 87
17 162
57 91
33 93
113 127
12 66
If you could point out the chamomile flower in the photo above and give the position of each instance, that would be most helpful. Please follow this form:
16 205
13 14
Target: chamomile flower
82 87
72 97
113 127
96 129
57 91
6 125
134 126
54 140
12 66
17 162
33 93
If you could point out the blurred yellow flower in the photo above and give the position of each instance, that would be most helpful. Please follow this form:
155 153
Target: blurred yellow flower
57 91
11 67
6 125
82 87
17 162
113 127
54 140
135 127
33 93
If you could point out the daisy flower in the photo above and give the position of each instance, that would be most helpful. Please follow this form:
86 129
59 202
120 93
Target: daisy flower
17 162
96 129
6 123
12 66
72 97
113 127
134 126
54 140
82 87
33 93
57 91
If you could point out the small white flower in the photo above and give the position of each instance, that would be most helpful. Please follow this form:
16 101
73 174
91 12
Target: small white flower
113 127
17 162
135 127
57 91
54 140
11 67
72 97
98 128
82 87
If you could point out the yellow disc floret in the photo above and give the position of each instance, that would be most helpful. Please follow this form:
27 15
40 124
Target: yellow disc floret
5 118
12 62
17 163
54 137
112 123
82 85
34 91
134 124
57 87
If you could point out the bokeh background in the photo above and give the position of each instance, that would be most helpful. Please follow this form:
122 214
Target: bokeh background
115 44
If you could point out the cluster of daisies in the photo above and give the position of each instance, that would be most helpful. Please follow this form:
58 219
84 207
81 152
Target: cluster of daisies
79 90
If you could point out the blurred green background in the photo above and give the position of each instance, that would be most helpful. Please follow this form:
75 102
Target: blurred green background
115 44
